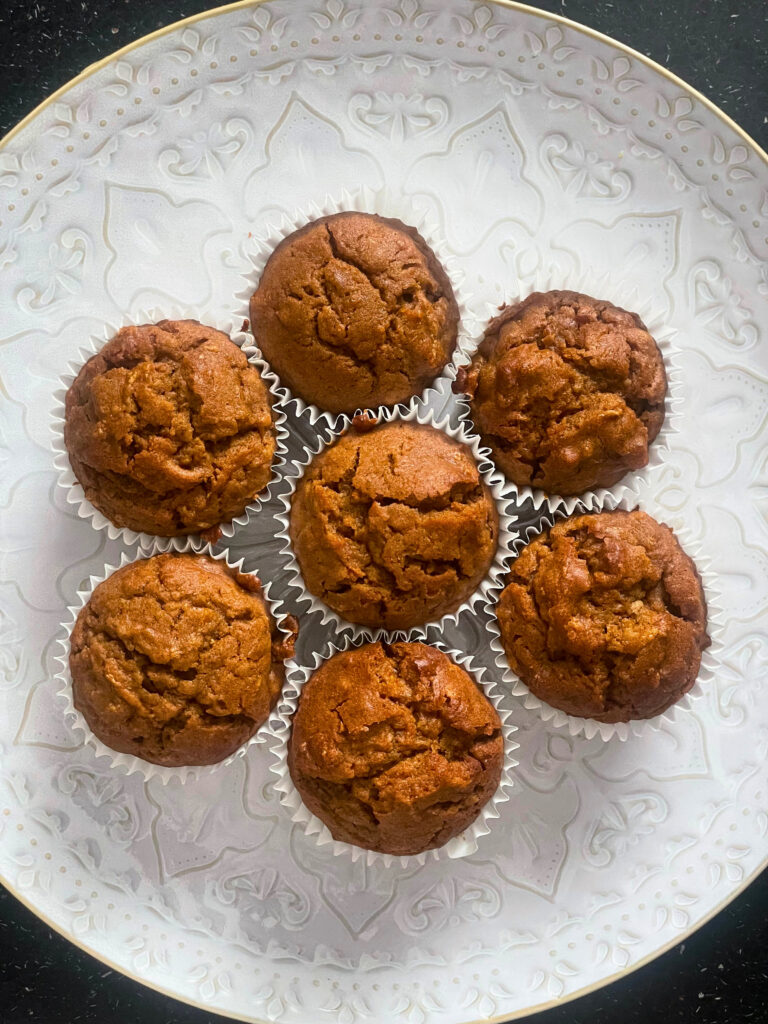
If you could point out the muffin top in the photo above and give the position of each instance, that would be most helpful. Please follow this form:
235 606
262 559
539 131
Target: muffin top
604 617
393 528
395 747
177 660
354 311
568 392
169 428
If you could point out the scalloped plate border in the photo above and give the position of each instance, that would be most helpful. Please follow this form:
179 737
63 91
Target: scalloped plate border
503 1019
511 4
590 33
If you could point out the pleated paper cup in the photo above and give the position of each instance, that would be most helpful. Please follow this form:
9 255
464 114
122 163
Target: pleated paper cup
507 534
128 764
68 482
611 289
279 731
589 727
386 203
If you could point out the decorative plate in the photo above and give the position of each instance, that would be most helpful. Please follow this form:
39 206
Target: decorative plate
534 144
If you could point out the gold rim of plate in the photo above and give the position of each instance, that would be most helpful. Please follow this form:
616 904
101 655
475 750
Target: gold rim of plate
593 34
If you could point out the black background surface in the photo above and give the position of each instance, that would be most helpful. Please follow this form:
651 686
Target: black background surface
720 974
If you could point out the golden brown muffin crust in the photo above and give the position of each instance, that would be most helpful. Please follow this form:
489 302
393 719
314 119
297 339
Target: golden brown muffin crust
395 527
355 311
568 391
604 617
169 429
177 660
395 747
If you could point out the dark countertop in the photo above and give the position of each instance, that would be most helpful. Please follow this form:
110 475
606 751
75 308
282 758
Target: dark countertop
717 976
720 47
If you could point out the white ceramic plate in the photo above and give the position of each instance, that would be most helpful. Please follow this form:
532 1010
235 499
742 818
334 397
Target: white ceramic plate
532 143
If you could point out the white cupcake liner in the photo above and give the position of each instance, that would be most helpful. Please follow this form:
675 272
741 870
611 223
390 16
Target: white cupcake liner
710 659
626 296
279 730
128 764
386 203
504 550
69 483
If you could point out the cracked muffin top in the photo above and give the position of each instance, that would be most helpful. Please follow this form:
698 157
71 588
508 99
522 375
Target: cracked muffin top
176 659
169 429
604 617
354 311
567 391
393 528
395 747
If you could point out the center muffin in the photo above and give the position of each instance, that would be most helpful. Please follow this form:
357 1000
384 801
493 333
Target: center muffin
354 311
177 660
393 528
395 747
568 392
169 429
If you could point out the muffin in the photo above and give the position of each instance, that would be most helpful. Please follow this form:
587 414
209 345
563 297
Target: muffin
355 311
567 391
393 528
604 617
169 429
395 747
177 660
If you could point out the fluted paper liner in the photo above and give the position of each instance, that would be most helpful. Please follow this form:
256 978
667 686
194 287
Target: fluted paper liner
494 481
279 729
589 727
72 488
609 288
386 203
128 764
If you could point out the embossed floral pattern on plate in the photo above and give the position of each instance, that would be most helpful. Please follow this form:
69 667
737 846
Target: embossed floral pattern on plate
529 142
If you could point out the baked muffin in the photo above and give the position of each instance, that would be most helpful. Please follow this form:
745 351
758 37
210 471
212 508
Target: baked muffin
604 617
169 429
354 311
395 747
567 391
176 659
393 528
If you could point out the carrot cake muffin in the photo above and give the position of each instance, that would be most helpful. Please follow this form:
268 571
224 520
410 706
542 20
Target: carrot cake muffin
395 747
604 617
567 391
176 659
393 528
355 311
169 429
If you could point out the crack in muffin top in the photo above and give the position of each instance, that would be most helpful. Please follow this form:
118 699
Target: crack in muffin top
604 617
354 311
395 527
567 390
169 429
395 747
176 659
